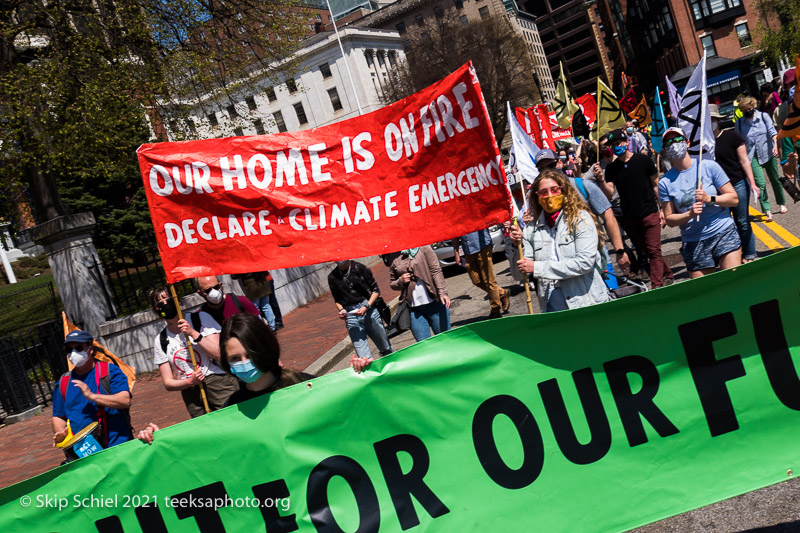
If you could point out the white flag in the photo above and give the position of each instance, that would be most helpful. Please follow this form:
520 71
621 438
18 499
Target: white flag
523 150
694 117
674 98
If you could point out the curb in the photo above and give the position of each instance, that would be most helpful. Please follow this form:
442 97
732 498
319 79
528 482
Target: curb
339 352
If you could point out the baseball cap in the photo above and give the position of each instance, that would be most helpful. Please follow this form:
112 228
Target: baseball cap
78 336
545 154
617 135
672 130
713 109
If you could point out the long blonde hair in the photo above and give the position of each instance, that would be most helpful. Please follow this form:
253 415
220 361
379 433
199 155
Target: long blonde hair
573 202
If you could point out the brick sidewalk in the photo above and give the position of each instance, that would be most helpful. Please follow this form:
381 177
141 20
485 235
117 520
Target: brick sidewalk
311 330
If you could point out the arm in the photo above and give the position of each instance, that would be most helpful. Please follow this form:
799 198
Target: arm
586 239
661 216
674 219
59 429
172 384
748 169
395 281
616 237
209 342
728 198
606 186
118 400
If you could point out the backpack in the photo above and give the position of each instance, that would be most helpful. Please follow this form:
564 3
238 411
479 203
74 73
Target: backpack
195 318
103 384
581 188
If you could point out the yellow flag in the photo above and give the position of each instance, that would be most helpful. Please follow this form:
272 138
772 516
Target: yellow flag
564 106
791 125
641 113
609 114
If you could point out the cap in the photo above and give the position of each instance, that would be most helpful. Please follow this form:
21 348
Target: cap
713 109
78 336
615 136
672 130
789 76
545 154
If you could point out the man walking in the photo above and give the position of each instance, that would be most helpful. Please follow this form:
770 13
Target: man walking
478 254
220 305
635 177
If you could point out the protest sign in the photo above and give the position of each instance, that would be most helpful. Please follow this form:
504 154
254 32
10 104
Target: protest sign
559 420
424 169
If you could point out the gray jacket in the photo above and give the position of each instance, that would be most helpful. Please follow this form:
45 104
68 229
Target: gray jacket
579 265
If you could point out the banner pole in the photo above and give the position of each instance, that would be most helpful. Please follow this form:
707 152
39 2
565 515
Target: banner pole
189 345
527 287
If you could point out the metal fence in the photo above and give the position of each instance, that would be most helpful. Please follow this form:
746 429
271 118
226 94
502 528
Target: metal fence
31 357
130 277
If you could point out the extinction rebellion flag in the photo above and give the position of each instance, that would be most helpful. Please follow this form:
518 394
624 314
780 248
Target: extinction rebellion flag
424 169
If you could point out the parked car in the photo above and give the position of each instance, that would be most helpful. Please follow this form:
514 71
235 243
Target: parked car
444 249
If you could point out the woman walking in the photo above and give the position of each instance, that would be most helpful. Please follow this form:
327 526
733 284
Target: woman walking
416 273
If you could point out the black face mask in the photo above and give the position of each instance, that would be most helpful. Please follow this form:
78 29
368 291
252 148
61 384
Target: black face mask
749 114
166 309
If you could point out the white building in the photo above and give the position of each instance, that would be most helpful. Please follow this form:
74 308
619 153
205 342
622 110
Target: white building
319 93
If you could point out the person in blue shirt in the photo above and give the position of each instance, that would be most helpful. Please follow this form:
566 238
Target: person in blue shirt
708 232
85 400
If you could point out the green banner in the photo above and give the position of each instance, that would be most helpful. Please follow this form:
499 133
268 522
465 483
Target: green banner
598 419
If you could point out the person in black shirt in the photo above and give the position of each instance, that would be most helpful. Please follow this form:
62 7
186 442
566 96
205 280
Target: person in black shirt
731 155
635 178
354 291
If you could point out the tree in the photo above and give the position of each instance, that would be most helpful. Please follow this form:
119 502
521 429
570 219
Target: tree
84 83
497 52
782 40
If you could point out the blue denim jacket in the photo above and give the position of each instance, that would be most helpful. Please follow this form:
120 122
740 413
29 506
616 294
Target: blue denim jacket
758 134
476 241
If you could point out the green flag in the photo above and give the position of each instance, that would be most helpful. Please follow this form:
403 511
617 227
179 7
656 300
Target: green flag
564 106
598 419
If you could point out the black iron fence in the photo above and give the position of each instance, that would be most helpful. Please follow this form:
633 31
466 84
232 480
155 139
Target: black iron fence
131 276
31 355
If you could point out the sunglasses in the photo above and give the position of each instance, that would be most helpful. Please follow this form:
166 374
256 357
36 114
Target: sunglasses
552 191
218 286
673 140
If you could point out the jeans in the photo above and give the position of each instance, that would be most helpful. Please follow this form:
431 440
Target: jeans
645 233
358 327
273 303
424 318
771 167
742 219
262 304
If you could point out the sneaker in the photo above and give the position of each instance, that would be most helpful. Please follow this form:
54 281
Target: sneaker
496 313
668 281
278 326
505 301
783 210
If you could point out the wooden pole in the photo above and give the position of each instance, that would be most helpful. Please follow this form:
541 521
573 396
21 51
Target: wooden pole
527 287
189 345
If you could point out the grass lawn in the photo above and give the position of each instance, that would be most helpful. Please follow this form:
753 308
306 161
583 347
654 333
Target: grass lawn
28 308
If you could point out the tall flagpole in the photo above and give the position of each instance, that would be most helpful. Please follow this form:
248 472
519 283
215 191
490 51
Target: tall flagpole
344 57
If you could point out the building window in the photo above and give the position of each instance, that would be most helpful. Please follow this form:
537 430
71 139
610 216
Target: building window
401 28
238 132
743 32
259 124
212 119
301 113
277 116
319 17
251 103
326 70
291 85
708 44
484 12
464 20
270 92
232 111
420 19
333 94
459 4
705 8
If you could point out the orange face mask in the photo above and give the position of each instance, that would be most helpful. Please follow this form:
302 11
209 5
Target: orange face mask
551 204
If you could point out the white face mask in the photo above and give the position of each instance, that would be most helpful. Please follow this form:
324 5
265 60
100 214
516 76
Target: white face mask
214 296
78 358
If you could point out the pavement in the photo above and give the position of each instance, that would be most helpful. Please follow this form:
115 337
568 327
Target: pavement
315 339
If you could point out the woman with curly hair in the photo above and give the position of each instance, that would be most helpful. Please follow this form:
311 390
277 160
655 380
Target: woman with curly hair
562 246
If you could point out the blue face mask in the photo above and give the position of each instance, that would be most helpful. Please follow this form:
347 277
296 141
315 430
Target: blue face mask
619 150
246 371
629 130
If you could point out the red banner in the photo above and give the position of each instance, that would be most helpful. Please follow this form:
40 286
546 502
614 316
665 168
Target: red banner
589 106
542 117
528 122
559 133
422 170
